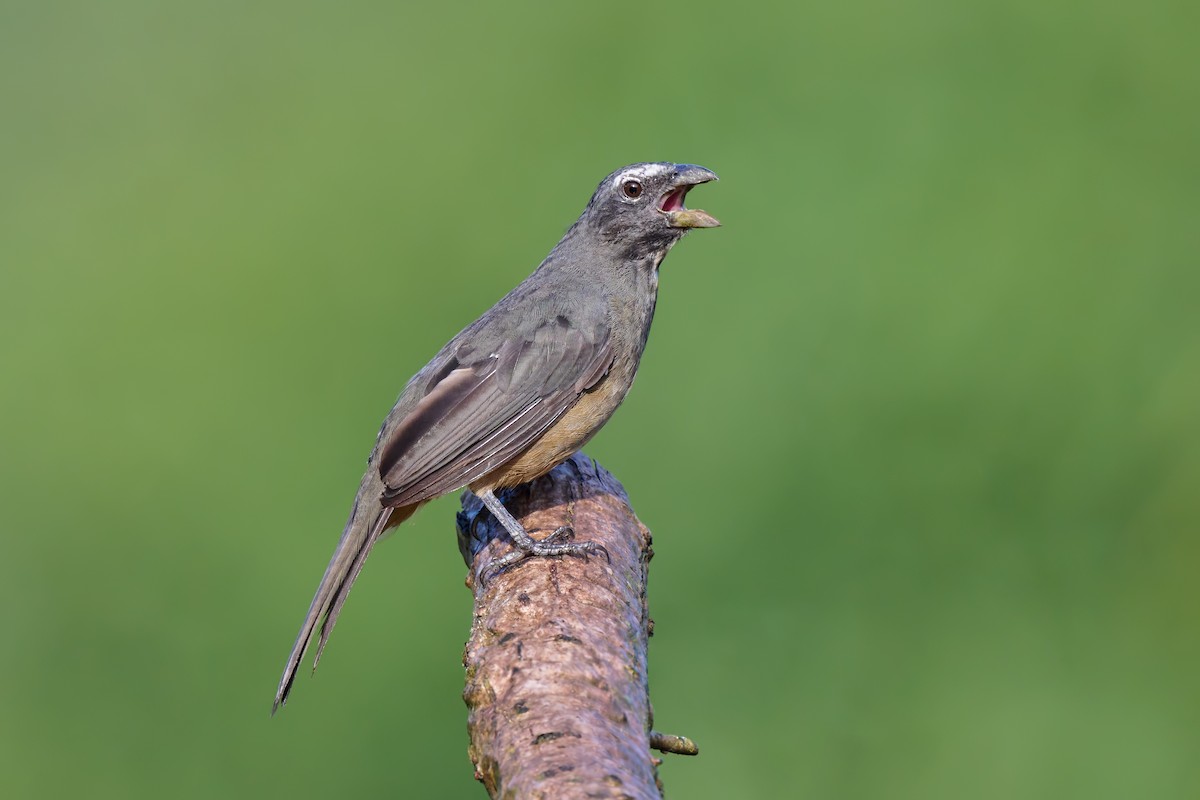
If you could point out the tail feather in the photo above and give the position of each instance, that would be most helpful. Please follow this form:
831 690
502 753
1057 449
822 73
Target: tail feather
368 519
343 591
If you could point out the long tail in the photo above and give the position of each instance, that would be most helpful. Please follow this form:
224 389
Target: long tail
368 520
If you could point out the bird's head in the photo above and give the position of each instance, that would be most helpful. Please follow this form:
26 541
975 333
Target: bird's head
641 206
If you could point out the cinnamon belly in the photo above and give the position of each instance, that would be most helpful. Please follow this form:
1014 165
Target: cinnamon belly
568 434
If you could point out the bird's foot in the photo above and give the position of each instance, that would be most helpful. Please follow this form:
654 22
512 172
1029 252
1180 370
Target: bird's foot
559 543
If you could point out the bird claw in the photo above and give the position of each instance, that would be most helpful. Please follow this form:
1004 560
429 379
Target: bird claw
561 543
592 548
562 534
558 543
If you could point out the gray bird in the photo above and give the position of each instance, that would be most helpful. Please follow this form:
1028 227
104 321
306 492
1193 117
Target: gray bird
523 387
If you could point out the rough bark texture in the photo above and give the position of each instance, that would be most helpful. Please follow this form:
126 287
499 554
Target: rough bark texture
556 663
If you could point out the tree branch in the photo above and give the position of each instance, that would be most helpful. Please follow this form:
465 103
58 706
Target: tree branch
556 663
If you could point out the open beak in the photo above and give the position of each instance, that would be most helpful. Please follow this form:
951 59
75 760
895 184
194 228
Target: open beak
671 204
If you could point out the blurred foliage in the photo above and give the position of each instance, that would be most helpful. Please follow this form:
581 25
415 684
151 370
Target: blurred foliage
916 430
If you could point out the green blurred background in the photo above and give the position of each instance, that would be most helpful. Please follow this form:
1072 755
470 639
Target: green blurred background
916 431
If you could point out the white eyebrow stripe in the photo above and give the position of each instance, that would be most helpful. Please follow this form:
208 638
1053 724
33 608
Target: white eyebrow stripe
641 171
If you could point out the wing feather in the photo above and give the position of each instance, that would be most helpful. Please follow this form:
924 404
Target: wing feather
488 409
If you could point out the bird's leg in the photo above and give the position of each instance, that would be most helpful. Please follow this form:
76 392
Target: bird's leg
556 544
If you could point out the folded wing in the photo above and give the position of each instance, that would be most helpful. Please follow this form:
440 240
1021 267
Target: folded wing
488 406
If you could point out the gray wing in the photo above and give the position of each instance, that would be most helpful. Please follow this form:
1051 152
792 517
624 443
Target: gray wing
486 406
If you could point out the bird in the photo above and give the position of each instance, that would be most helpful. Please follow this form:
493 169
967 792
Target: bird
522 388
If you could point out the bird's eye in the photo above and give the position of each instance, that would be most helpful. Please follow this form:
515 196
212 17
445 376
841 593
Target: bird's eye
632 189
